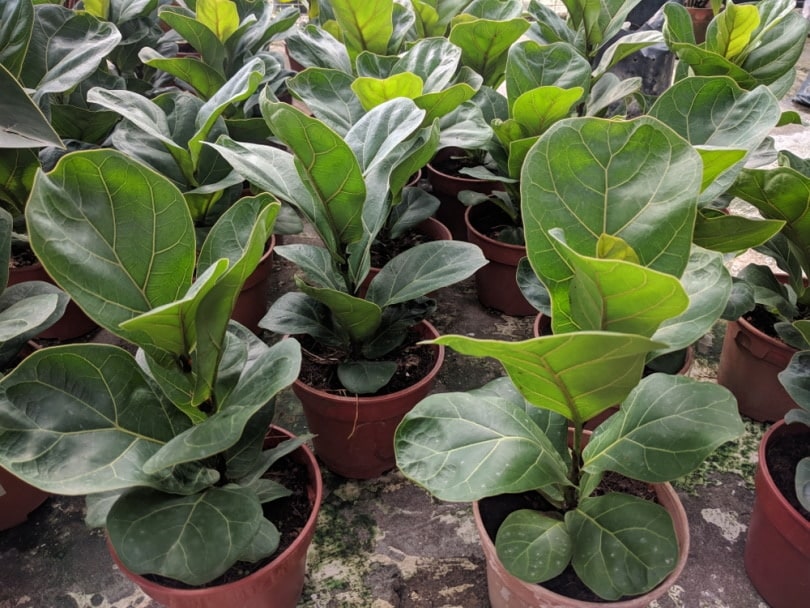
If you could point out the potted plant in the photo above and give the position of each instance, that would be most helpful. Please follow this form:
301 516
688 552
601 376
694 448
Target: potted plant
225 36
346 187
777 550
615 304
762 335
166 443
768 38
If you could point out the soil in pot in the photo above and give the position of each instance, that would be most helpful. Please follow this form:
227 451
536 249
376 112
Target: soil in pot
494 511
782 457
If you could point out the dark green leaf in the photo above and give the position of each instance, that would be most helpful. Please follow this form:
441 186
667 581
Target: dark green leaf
533 546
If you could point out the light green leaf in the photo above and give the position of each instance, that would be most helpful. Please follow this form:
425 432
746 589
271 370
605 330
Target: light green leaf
665 428
366 26
485 43
563 372
219 16
373 91
533 546
636 536
730 32
531 65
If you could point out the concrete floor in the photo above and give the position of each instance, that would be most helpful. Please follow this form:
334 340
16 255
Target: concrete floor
385 543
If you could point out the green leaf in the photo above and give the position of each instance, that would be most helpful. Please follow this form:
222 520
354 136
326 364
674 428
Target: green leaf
156 533
205 80
665 428
563 372
533 546
366 26
531 65
327 165
315 262
313 46
796 379
264 543
113 233
623 545
730 32
198 35
22 124
485 43
359 317
26 309
732 233
219 16
18 167
423 269
614 295
592 177
373 91
466 446
296 313
65 442
16 26
624 47
365 377
328 94
538 109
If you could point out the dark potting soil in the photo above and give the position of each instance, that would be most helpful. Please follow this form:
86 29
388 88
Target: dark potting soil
384 250
289 514
782 455
452 164
763 321
494 511
22 259
492 222
319 365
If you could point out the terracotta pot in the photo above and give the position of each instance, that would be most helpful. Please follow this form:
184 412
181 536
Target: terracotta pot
749 363
446 188
542 327
777 550
496 282
251 305
73 324
354 436
701 17
276 585
17 500
508 591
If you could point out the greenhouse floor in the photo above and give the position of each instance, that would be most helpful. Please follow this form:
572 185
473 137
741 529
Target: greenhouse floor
385 543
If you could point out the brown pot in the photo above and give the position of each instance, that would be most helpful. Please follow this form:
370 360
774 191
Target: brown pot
17 500
446 188
276 585
749 363
354 436
251 305
73 324
508 591
777 549
701 17
542 327
496 282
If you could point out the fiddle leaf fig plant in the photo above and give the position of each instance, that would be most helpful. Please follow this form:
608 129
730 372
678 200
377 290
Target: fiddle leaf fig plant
617 302
754 44
168 132
347 187
795 380
780 194
169 440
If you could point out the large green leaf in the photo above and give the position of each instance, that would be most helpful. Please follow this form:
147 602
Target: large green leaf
485 43
219 16
533 546
312 46
730 233
66 48
296 313
577 375
199 36
422 269
435 60
778 50
664 429
615 295
466 446
636 180
326 164
531 65
730 32
193 539
22 124
715 111
16 26
623 545
101 257
366 26
328 94
91 434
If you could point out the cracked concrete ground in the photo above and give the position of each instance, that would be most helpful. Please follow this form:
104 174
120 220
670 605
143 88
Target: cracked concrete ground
385 543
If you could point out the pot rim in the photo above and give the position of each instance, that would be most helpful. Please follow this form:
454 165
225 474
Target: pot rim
516 249
764 475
